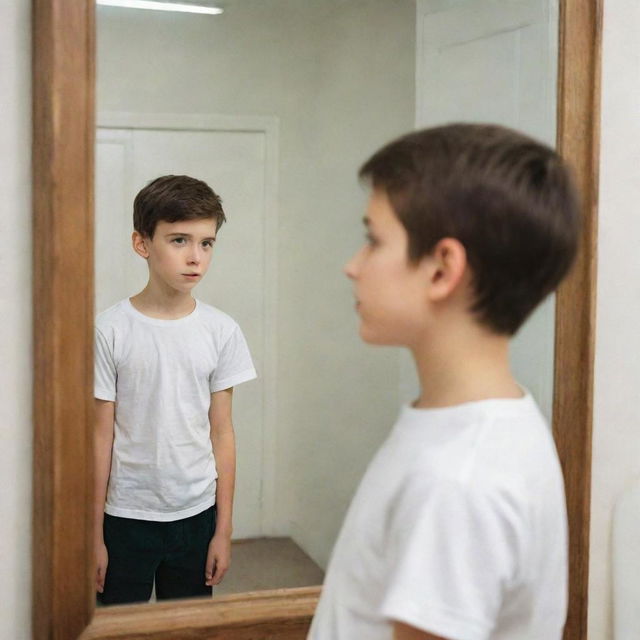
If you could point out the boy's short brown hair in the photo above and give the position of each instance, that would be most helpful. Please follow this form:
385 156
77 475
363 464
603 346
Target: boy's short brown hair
507 198
175 198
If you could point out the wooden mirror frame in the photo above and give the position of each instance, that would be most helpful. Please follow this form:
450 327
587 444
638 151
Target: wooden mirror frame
63 183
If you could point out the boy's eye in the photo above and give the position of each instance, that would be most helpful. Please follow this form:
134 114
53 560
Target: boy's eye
371 240
179 240
208 243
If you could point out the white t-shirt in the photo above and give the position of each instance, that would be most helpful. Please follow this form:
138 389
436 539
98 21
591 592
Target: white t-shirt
160 374
458 528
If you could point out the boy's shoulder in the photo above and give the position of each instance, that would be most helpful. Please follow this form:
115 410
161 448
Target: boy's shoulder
488 443
212 314
491 461
112 316
216 322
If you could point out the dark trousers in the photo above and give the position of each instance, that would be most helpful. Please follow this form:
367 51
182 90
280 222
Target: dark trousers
173 554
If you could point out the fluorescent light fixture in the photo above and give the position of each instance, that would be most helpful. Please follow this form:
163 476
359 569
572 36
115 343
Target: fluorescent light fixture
160 6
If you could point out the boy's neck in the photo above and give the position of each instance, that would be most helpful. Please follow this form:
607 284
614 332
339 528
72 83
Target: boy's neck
468 364
155 303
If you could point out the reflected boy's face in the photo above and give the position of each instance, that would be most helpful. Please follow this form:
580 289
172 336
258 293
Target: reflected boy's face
179 253
390 292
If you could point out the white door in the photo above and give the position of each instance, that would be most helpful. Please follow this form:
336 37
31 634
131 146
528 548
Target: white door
493 61
234 163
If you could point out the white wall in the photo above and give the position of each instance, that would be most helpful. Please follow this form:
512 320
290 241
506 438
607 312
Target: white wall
340 399
340 78
616 437
15 320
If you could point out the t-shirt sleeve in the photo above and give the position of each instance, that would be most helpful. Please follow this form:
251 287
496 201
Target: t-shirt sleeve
104 375
234 363
453 553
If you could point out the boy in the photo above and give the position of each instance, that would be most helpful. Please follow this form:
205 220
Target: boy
458 530
165 368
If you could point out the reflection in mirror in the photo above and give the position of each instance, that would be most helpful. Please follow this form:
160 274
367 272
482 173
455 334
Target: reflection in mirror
275 104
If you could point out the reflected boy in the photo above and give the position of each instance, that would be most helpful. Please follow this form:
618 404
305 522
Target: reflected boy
458 530
165 368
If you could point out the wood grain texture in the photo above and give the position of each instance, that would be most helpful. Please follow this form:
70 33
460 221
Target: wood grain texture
63 147
282 613
63 151
578 142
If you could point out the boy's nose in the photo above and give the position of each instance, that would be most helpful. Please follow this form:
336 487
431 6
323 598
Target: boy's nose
350 269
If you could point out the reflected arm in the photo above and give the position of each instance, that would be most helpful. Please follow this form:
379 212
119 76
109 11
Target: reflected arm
224 449
103 444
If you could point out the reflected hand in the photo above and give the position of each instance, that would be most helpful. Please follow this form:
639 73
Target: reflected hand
102 560
218 559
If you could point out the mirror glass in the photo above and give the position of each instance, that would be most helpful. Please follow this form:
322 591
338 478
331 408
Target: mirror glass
276 104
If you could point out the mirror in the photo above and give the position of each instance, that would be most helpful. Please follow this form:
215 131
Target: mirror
276 104
63 151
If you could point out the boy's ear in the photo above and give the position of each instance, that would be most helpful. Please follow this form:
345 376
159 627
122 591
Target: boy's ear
139 243
447 269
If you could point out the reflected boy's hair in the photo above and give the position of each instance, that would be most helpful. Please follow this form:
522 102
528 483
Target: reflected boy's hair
508 199
175 198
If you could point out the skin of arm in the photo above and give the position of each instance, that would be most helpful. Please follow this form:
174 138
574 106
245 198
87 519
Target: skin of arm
405 632
224 447
103 445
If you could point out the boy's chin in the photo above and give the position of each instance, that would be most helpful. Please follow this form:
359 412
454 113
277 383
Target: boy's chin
184 291
373 337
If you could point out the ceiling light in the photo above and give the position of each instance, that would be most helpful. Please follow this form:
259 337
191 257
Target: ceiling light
160 6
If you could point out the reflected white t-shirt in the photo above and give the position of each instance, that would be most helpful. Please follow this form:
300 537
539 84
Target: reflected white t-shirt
160 374
458 528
